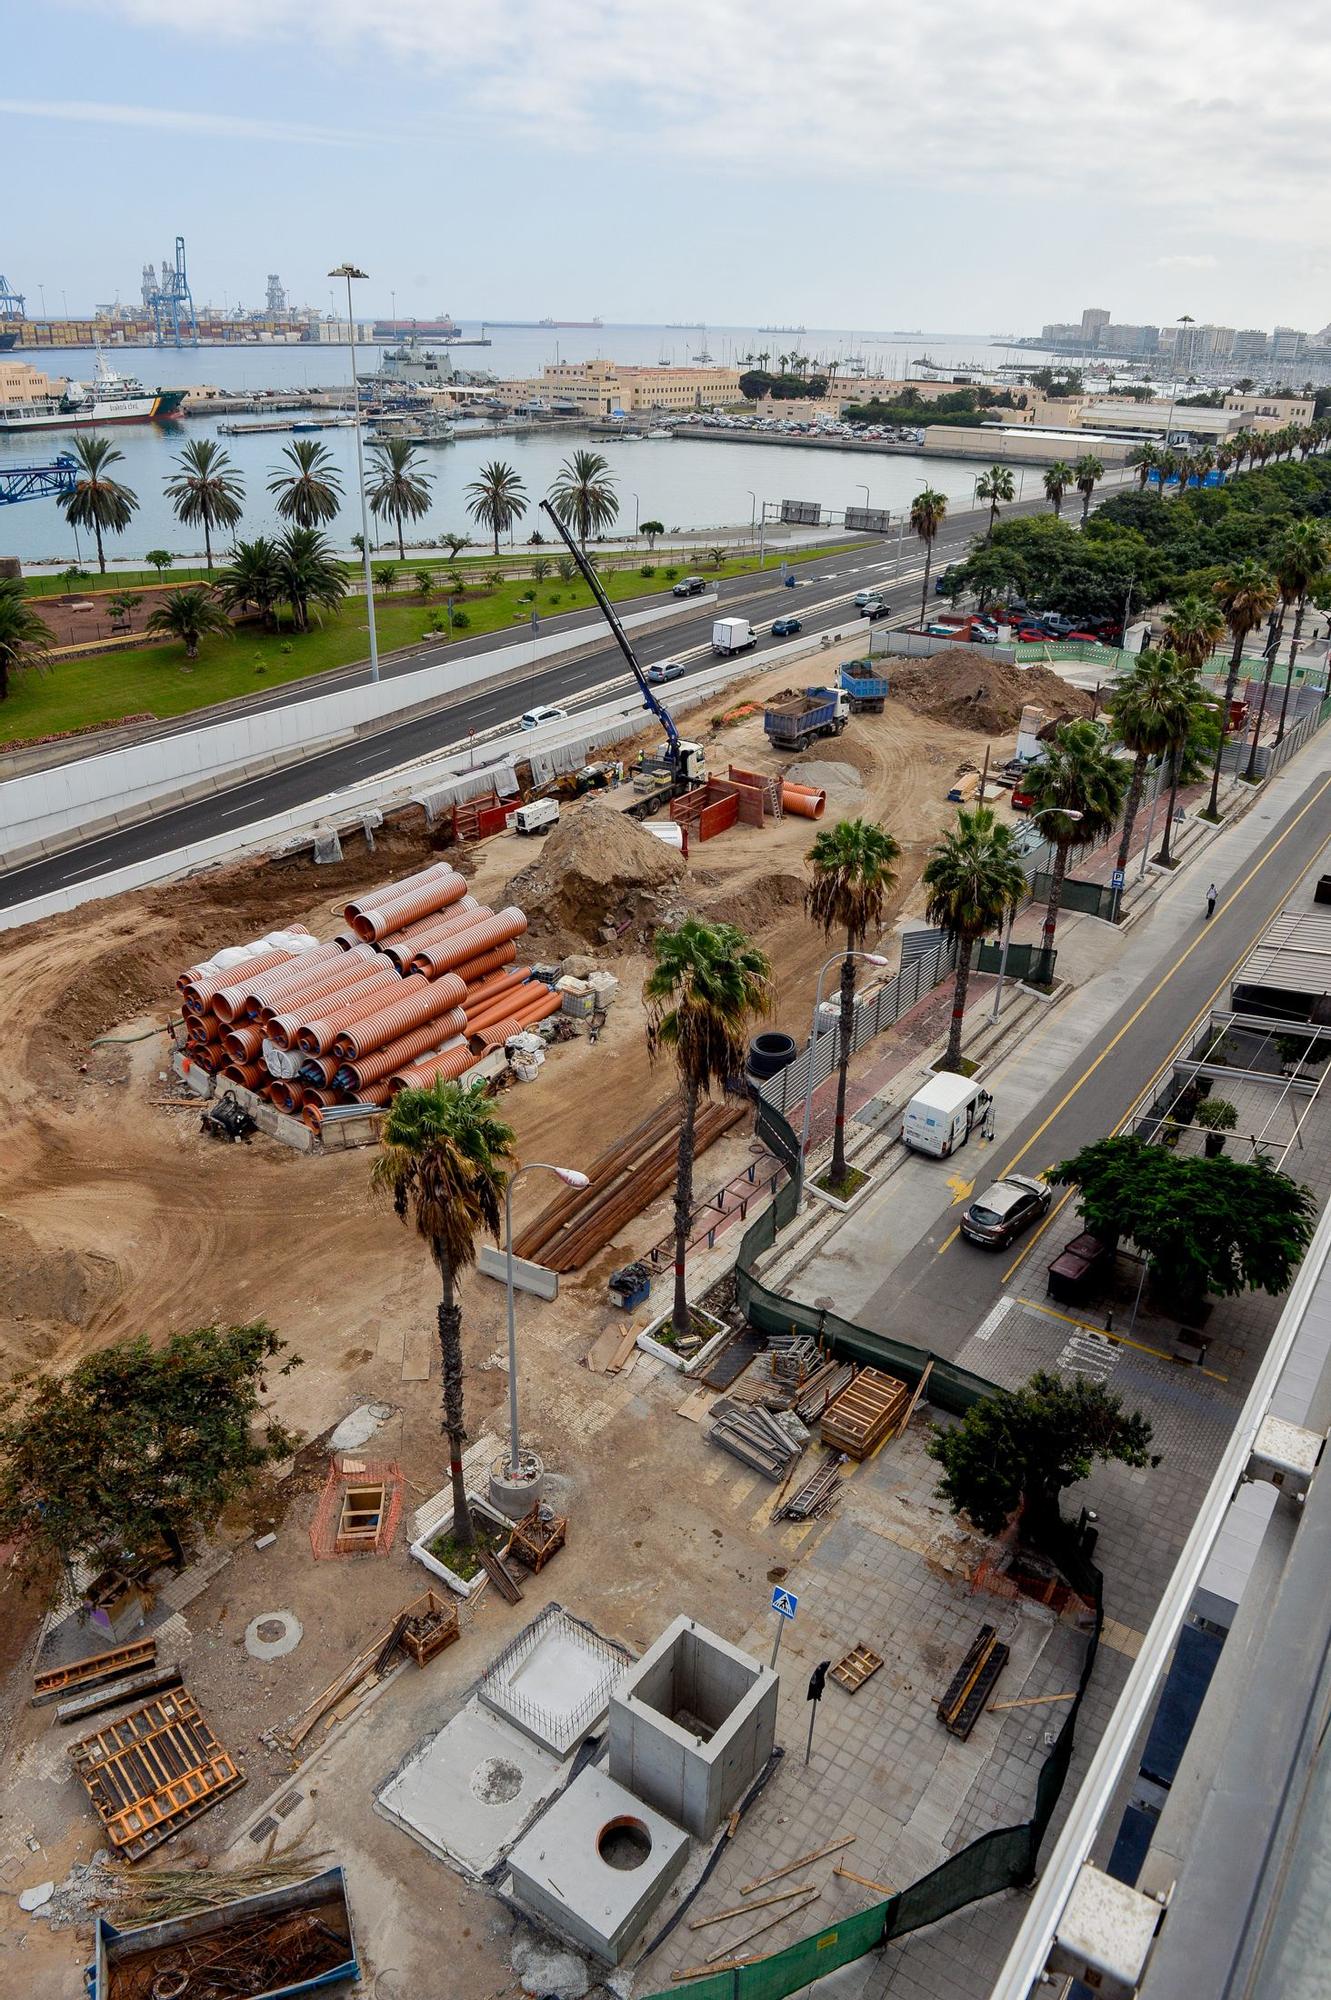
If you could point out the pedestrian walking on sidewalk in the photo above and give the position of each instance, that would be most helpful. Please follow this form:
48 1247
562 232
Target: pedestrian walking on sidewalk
1210 903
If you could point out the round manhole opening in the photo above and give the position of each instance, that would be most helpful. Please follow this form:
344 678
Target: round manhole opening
624 1843
270 1630
496 1780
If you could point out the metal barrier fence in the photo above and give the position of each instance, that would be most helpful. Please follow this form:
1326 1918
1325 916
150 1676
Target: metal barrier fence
877 1011
1091 899
1004 1858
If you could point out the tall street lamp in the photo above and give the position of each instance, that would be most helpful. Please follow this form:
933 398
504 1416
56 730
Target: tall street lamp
870 958
350 271
515 1476
1044 813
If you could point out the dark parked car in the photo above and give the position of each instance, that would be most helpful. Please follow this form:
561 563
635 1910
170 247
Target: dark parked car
1000 1214
689 586
785 628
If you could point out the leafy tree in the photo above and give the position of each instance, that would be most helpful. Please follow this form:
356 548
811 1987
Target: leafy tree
160 559
583 494
853 866
974 881
399 488
928 511
190 615
1016 1451
123 604
1223 1225
1057 479
310 494
444 1161
136 1445
455 544
652 529
1246 593
498 498
1088 472
207 491
98 501
385 576
707 985
25 639
997 487
424 583
1300 564
308 574
567 568
253 576
1078 789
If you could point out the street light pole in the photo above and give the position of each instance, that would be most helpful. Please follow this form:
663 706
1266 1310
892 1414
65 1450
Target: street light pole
753 511
350 271
870 958
571 1178
1011 917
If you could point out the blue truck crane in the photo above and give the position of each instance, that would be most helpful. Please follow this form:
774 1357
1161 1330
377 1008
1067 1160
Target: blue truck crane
679 765
38 482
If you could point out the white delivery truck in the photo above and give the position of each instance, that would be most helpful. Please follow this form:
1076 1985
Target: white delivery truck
942 1114
537 816
732 635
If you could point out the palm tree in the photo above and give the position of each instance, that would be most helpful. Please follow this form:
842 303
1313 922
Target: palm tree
583 494
308 573
1246 593
311 493
707 986
188 615
385 576
652 529
1057 479
717 557
1185 709
444 1161
98 501
208 492
996 486
1146 459
498 498
853 866
1078 790
1087 472
25 639
1301 558
974 879
400 489
928 511
1144 711
252 576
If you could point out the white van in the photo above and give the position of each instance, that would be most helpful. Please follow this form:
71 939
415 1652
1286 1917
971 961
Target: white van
941 1115
537 816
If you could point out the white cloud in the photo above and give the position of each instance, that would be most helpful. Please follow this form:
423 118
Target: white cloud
1183 261
156 118
1191 114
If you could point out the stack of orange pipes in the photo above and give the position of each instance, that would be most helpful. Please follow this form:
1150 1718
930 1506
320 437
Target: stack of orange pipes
421 985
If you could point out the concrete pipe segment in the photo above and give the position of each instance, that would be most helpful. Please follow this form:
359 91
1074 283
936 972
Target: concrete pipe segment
803 801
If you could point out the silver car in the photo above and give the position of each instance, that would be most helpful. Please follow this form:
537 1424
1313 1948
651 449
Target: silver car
1000 1214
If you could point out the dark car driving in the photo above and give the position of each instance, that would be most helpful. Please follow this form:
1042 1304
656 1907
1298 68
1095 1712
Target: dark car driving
785 628
1000 1214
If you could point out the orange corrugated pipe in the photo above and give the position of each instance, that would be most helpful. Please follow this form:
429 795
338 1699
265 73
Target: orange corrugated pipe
496 1008
202 992
439 1069
474 970
238 984
437 893
193 975
287 1094
304 1026
273 993
376 1093
420 1000
312 1116
387 892
494 1034
804 801
401 946
347 973
494 987
252 1075
241 1044
406 1049
476 940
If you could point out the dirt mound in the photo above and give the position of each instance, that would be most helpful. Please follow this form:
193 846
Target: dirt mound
976 691
597 876
757 905
47 1295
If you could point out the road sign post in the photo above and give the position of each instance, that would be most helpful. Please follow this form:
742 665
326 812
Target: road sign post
785 1604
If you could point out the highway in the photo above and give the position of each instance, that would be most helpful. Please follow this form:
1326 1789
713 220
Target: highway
822 599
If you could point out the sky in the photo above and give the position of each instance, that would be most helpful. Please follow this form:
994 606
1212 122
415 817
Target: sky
962 167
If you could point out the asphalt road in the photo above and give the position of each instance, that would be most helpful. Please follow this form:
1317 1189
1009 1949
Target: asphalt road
942 1290
821 599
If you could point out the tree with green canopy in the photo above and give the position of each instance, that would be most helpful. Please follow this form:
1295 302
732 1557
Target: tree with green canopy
25 639
190 615
498 498
1077 788
310 494
398 487
583 494
928 511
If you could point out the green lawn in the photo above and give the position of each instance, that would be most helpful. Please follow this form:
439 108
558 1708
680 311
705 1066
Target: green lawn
159 681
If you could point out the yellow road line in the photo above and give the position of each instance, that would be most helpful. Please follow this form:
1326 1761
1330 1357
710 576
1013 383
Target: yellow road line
948 1241
1118 1339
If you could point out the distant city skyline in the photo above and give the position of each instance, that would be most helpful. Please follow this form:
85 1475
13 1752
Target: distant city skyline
1188 342
714 160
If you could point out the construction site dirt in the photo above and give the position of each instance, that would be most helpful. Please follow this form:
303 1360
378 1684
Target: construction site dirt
120 1218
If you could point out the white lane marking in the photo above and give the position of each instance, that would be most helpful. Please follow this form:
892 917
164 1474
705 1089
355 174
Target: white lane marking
989 1326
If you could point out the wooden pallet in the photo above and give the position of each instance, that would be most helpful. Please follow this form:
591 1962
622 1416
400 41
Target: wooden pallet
535 1541
858 1420
430 1625
153 1771
96 1667
154 1681
859 1665
971 1686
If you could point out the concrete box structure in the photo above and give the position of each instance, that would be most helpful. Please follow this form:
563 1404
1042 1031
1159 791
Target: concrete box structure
692 1725
596 1865
553 1681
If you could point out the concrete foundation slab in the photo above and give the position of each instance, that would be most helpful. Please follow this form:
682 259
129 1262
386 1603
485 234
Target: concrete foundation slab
596 1865
554 1681
468 1793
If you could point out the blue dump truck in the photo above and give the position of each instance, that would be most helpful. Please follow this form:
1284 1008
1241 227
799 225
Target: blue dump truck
794 719
865 684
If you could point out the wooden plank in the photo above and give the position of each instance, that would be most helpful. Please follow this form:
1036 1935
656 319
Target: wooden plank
622 1352
503 1580
914 1401
833 1847
865 1881
1031 1701
796 1910
742 1909
152 1682
859 1418
96 1667
859 1665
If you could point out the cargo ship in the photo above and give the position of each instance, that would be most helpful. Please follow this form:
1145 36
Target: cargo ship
444 328
108 399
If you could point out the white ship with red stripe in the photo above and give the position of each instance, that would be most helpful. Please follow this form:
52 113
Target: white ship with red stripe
109 399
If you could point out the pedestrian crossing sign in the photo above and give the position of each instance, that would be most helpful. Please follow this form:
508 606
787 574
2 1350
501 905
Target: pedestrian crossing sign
784 1602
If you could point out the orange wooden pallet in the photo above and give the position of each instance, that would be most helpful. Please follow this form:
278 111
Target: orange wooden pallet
96 1667
860 1664
152 1771
860 1418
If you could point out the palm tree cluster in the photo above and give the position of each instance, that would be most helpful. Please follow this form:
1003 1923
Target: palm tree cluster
1253 448
583 495
298 570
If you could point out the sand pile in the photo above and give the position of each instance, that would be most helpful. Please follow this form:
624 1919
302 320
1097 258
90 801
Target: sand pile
598 876
975 691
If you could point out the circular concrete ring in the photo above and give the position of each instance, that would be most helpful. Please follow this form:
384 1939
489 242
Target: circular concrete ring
515 1497
272 1634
